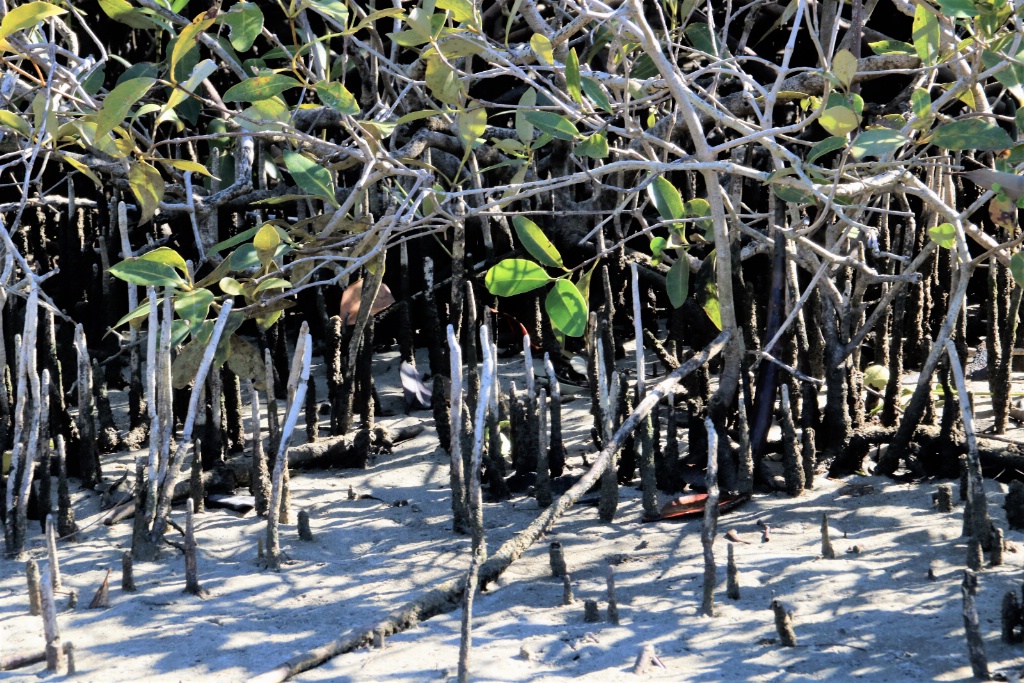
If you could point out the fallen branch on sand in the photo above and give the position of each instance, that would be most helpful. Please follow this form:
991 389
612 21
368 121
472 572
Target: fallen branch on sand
448 595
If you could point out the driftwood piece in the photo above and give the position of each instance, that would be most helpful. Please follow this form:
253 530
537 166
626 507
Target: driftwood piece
18 660
447 596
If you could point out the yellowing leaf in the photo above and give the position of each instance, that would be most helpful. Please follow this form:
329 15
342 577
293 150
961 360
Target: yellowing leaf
844 67
471 125
27 16
266 242
187 39
839 120
148 187
542 46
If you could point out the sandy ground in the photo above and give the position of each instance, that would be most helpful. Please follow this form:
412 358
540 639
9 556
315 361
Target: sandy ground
871 614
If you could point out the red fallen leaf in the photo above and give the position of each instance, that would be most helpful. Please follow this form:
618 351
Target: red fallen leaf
353 294
692 505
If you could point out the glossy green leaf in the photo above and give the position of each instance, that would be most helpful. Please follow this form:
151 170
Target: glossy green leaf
245 22
193 306
839 120
921 103
310 176
168 256
27 16
118 103
666 199
536 242
944 235
1017 268
144 273
595 147
337 96
515 276
265 243
524 129
470 126
542 46
148 187
572 76
959 9
844 67
877 142
260 88
231 286
272 283
122 11
677 282
926 34
889 47
553 124
971 134
596 93
829 144
567 309
462 10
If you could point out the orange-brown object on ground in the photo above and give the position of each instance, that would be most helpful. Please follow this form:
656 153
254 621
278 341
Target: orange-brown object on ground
353 294
692 505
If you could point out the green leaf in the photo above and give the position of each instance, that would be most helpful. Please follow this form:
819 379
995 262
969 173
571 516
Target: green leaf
167 256
542 46
14 122
444 83
182 92
677 282
148 187
971 134
666 198
1017 268
272 283
839 120
595 147
515 276
265 115
144 273
877 142
567 308
711 305
462 10
921 103
140 312
187 40
471 125
876 377
572 77
245 22
244 236
554 125
334 9
231 286
123 12
596 93
193 306
310 176
524 129
27 16
699 35
827 145
958 9
658 246
118 103
260 88
844 67
926 34
265 243
536 242
890 47
944 235
337 96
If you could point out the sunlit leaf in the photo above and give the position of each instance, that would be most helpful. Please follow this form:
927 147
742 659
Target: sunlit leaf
27 16
971 134
193 306
272 283
566 308
844 67
471 125
337 96
944 235
167 256
118 103
542 46
920 103
187 39
524 129
266 243
123 12
889 47
14 122
515 276
245 22
553 124
926 34
260 88
839 120
148 187
595 147
444 83
596 93
310 176
666 199
144 273
572 76
462 10
959 9
877 142
876 377
536 242
265 115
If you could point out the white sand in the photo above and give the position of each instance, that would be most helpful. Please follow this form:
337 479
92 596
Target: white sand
872 615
